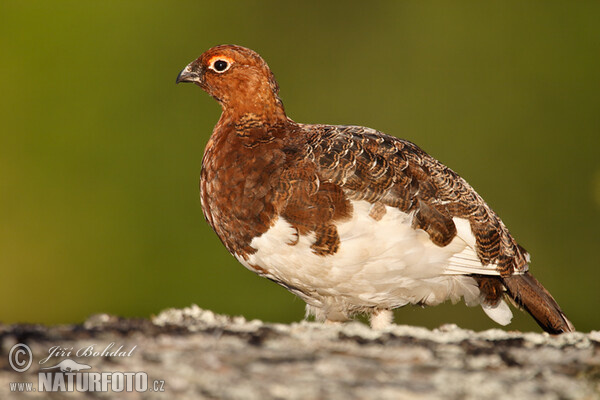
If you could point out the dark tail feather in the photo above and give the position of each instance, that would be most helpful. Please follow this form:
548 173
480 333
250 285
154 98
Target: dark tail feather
529 294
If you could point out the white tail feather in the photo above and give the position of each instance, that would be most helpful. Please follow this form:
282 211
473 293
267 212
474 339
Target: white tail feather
500 312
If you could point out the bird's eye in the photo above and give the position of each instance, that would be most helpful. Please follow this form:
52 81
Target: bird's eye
219 64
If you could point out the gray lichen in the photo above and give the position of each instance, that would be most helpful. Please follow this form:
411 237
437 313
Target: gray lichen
200 354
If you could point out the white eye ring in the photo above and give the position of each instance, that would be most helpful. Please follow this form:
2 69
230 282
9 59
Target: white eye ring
220 64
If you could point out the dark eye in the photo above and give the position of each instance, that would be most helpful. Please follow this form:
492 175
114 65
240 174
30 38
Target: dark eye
220 65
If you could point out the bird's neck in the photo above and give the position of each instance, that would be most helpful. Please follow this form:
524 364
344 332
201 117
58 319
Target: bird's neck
260 100
267 113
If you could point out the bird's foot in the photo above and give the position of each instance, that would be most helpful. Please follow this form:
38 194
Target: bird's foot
381 319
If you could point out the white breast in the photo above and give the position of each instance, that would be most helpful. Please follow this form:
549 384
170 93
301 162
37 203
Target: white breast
380 264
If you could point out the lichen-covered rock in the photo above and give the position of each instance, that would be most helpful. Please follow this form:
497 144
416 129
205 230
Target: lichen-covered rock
199 354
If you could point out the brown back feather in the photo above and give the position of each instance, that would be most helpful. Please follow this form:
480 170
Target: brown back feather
369 165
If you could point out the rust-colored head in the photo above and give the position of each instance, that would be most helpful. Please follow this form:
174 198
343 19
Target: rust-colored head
237 77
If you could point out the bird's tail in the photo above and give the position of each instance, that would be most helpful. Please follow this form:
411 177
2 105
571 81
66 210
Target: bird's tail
530 295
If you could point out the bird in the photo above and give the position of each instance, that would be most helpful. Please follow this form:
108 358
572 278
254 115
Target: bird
351 220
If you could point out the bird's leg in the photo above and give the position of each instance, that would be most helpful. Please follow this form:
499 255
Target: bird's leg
381 319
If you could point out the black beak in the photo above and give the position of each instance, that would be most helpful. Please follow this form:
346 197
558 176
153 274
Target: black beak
188 75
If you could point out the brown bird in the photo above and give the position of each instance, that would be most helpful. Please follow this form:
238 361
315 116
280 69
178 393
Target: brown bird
346 217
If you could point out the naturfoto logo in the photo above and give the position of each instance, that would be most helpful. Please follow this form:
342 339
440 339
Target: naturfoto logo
66 374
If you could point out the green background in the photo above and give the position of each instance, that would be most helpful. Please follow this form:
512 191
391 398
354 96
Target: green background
100 151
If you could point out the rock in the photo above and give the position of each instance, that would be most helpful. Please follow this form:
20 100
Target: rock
200 354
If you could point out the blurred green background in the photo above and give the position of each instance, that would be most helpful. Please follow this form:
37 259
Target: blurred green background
100 151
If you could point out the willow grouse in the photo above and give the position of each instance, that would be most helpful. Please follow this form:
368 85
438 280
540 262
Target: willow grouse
348 218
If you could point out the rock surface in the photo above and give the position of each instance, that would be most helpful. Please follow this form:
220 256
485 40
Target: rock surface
202 355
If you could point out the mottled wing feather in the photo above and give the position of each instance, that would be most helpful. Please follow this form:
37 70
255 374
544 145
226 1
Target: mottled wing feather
369 165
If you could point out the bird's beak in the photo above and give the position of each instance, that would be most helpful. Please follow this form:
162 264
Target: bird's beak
189 74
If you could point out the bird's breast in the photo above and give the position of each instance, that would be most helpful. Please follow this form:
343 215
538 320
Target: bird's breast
238 190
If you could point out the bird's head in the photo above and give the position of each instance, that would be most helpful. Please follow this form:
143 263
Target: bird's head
236 76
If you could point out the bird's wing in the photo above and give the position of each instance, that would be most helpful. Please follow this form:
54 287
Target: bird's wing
369 165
